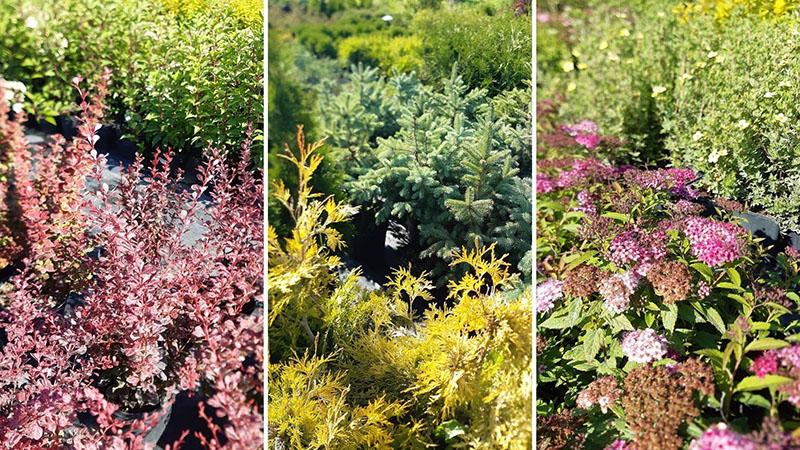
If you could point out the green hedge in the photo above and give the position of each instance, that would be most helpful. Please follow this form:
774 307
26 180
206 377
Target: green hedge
184 81
720 97
492 51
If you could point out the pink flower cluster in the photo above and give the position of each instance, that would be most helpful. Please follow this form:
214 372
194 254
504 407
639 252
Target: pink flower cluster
661 179
644 346
619 444
771 360
584 132
638 247
544 184
618 289
547 293
583 170
765 364
703 289
720 437
586 203
713 242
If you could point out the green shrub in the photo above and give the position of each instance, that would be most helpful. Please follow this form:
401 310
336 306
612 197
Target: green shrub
450 174
493 52
210 89
323 39
621 53
290 104
718 96
180 81
733 112
401 53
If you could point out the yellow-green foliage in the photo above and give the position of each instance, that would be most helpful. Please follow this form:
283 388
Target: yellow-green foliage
374 372
185 7
387 52
248 11
302 268
723 9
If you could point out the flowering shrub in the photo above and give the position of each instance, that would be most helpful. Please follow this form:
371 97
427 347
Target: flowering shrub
114 309
662 324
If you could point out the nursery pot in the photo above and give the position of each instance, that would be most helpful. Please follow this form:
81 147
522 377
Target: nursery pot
794 240
760 225
368 246
152 435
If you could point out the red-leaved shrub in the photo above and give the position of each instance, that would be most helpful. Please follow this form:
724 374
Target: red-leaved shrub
127 295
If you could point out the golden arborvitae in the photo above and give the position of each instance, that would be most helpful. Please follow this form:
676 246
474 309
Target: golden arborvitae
476 357
388 378
302 268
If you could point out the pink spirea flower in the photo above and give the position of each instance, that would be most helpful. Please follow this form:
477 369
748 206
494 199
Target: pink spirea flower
703 289
618 289
713 242
619 444
582 170
586 202
790 356
636 246
766 364
661 179
589 141
582 127
547 293
720 437
644 346
544 184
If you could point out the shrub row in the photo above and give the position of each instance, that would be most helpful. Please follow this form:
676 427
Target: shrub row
710 90
188 76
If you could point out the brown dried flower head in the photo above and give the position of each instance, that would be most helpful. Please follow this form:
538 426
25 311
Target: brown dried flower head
603 392
582 281
671 280
658 400
560 431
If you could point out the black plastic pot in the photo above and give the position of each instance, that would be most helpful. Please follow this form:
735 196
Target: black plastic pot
794 240
368 247
152 435
760 225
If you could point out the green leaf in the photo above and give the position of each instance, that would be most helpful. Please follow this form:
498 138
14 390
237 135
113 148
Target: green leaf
735 278
620 323
756 383
617 216
450 430
592 342
731 286
765 344
713 316
556 323
574 312
704 270
748 398
669 316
